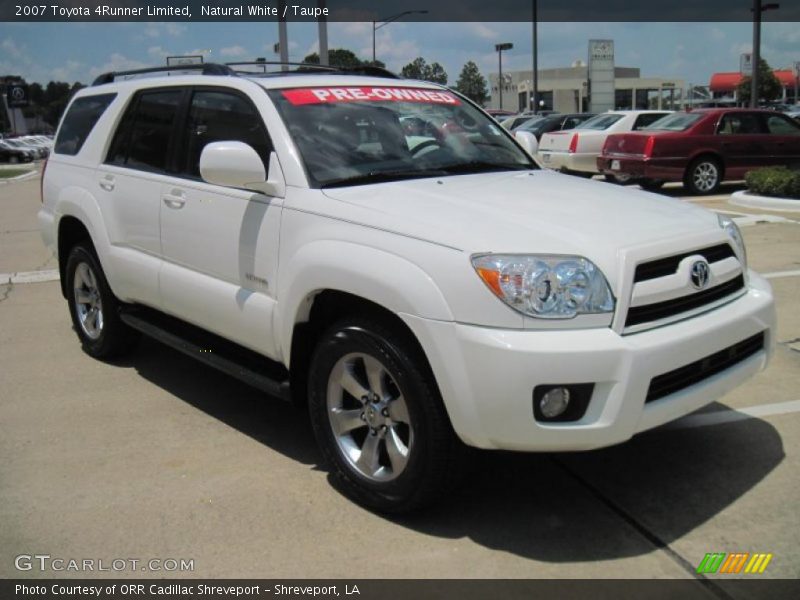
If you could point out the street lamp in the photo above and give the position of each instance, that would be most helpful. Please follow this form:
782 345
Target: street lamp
384 22
757 9
535 19
500 48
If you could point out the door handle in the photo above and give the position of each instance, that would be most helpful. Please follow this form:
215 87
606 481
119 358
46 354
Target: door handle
173 201
107 183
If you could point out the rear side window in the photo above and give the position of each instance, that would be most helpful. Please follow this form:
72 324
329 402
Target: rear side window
600 122
79 121
739 124
216 116
142 140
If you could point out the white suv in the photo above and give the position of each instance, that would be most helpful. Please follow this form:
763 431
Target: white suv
384 252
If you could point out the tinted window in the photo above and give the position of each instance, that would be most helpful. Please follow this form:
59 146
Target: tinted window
79 121
676 122
739 124
600 122
216 116
143 137
780 125
643 121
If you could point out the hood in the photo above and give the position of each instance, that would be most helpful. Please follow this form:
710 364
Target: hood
523 212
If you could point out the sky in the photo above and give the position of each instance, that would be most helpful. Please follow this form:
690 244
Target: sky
690 51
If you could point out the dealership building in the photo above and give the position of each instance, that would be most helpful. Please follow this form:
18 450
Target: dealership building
568 90
595 87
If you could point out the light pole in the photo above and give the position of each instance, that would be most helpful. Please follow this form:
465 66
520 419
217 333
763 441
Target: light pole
500 48
534 102
758 8
384 22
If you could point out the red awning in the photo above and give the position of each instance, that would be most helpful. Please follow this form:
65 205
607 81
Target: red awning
727 82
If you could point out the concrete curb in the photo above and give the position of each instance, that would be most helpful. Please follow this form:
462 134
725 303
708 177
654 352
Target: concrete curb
764 202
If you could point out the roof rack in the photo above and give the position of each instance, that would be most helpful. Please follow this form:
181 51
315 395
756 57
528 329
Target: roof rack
205 69
265 63
303 67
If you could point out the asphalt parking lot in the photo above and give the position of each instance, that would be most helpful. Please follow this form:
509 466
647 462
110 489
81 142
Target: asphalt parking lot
160 457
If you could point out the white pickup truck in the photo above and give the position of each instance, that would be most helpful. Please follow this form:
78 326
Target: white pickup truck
383 252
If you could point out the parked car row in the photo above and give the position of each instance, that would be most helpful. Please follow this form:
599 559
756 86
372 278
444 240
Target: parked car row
576 150
702 148
25 148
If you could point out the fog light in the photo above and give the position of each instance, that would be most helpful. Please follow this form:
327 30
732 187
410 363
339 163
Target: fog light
554 402
561 402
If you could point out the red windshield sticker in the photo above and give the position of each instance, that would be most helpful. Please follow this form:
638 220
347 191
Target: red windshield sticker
331 95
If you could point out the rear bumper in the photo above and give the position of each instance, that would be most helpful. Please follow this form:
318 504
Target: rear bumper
487 376
566 161
641 168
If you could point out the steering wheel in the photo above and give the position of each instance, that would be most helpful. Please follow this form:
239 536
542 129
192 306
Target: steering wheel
426 145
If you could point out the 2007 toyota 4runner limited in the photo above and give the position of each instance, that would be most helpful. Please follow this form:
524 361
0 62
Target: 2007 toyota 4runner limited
384 252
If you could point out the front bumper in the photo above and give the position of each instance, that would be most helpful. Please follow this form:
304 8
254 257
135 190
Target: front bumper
487 376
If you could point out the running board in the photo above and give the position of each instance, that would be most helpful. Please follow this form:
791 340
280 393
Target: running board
210 349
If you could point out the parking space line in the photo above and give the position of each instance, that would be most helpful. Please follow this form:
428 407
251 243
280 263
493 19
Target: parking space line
779 274
736 414
29 276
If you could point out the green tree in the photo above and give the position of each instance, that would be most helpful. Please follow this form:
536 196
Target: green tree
769 88
472 84
419 69
338 57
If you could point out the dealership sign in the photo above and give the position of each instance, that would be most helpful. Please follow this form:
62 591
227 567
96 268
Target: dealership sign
17 95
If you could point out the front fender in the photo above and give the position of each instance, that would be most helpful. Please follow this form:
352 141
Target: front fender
387 279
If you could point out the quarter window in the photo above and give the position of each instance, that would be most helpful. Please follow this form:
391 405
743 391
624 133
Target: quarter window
216 116
79 121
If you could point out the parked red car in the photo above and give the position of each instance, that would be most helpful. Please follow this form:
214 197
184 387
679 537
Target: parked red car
702 148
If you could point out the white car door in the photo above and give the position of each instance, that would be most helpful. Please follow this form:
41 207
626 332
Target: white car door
129 191
220 244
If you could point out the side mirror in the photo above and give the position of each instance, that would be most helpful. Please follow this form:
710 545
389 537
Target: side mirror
528 141
236 164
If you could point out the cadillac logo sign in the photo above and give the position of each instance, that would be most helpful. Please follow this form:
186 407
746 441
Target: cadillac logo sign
699 274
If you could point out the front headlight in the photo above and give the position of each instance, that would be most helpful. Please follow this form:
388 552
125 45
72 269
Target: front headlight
546 287
733 231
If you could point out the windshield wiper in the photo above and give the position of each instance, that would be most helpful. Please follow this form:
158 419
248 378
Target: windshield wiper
480 166
382 176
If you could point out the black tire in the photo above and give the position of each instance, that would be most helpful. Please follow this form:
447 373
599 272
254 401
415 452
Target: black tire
435 455
703 176
651 185
13 160
108 336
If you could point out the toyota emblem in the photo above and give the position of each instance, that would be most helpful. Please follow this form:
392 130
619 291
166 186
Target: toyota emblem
699 274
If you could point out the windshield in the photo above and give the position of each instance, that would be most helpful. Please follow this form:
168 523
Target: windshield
674 122
358 135
600 122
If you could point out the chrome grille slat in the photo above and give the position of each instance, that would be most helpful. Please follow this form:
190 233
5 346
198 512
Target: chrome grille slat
654 269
